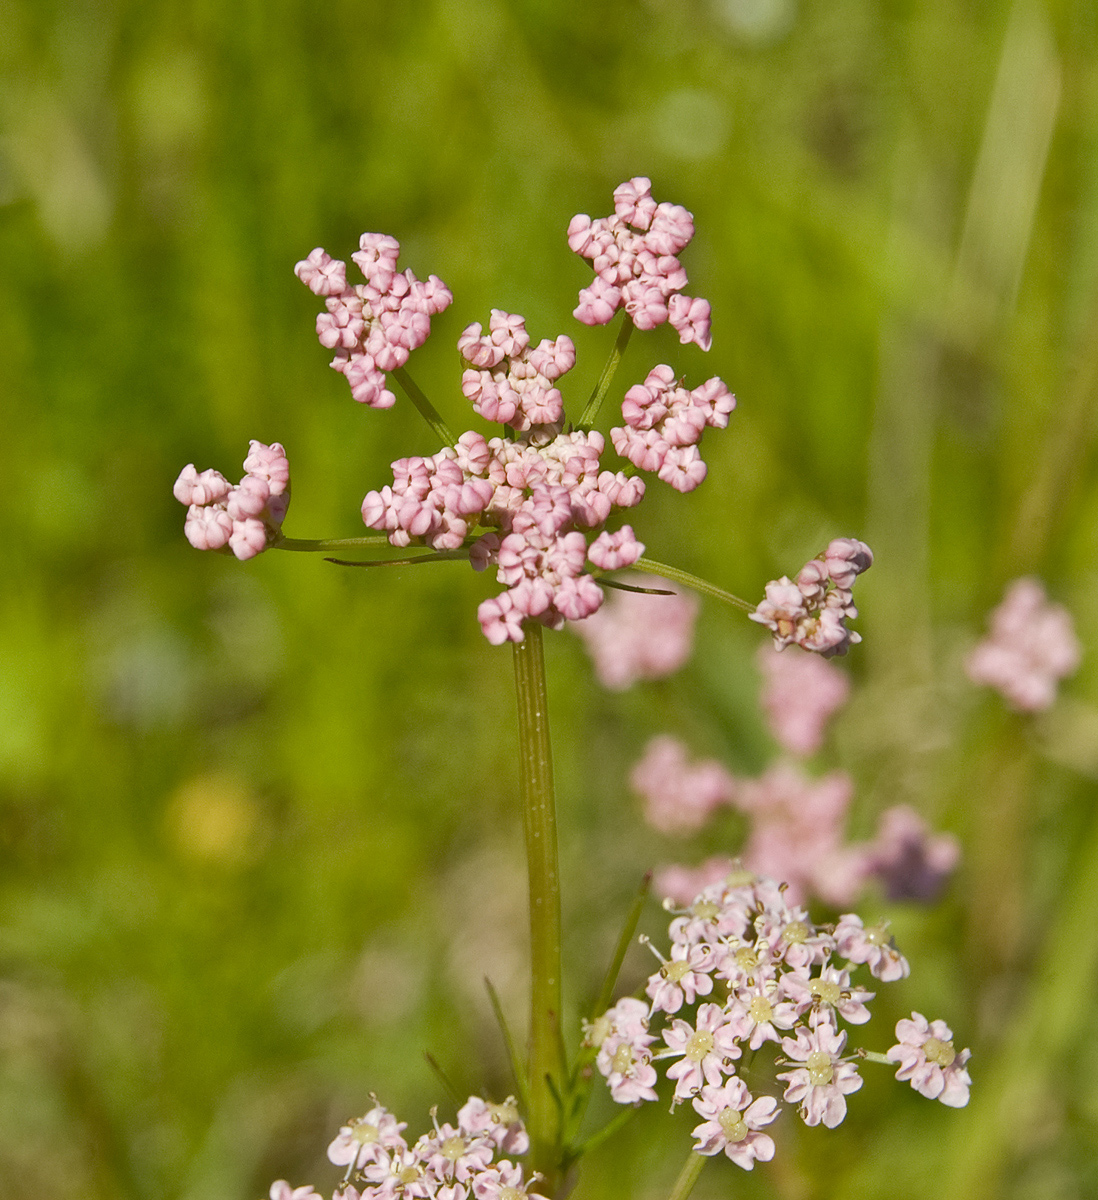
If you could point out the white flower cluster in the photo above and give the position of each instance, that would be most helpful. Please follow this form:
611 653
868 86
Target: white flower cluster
449 1163
776 977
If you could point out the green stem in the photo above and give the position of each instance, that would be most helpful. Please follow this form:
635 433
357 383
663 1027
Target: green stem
539 822
322 544
428 411
692 581
688 1176
410 561
603 385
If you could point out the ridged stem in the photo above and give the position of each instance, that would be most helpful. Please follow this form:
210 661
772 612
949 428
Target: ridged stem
540 824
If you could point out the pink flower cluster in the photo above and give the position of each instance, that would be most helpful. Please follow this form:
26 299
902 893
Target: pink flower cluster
633 255
450 1163
539 497
509 382
679 796
372 327
796 830
533 503
797 833
812 610
245 518
664 423
636 635
774 977
1031 647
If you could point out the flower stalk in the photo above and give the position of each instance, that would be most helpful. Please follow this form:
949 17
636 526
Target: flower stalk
547 1069
688 1176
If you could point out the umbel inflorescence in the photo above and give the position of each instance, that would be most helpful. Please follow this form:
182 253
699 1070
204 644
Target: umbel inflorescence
747 968
532 502
451 1162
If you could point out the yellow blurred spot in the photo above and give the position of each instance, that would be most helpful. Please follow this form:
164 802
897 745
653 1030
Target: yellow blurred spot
215 818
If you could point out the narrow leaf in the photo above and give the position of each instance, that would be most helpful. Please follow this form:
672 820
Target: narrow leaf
512 1052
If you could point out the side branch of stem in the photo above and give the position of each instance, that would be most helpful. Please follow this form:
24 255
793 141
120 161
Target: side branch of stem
427 410
603 386
692 581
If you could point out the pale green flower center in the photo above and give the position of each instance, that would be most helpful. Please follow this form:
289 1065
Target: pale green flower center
829 993
453 1148
820 1068
706 909
761 1010
939 1052
409 1174
675 970
746 959
733 1124
623 1058
699 1045
505 1113
597 1031
795 933
364 1133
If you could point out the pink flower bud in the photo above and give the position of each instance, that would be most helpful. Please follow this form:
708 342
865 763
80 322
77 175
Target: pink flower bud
208 528
248 538
322 275
613 551
690 317
209 487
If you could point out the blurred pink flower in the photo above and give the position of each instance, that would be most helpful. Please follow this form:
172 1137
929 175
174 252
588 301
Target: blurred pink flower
800 693
1031 647
679 796
636 635
682 885
797 833
911 862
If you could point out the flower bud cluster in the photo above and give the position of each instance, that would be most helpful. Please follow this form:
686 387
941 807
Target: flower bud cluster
664 423
538 494
511 383
1031 647
372 327
450 1163
634 257
532 503
245 518
747 968
812 610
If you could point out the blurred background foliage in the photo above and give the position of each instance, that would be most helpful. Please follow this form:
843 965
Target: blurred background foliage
258 829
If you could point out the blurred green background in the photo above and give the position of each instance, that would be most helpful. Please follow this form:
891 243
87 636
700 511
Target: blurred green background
258 825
